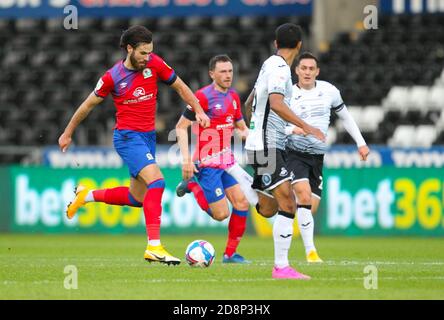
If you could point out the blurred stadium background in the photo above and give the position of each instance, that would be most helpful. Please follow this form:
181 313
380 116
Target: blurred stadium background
391 78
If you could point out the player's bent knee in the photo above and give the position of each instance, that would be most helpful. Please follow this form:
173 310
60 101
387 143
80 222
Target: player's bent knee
304 198
241 204
288 206
266 211
220 215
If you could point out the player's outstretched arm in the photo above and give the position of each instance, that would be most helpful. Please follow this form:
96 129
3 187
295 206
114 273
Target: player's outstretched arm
352 128
188 168
81 113
278 105
187 95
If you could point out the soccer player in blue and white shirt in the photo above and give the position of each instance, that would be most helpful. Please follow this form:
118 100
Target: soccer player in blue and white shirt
312 100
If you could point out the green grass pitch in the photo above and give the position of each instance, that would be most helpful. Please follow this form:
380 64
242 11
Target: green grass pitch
112 267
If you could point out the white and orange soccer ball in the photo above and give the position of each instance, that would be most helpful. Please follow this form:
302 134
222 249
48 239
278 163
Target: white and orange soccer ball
200 253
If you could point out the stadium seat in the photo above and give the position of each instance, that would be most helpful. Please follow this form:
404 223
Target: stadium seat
397 98
115 24
417 97
435 98
148 22
424 136
404 136
87 23
197 23
14 58
43 58
29 25
439 141
54 25
370 118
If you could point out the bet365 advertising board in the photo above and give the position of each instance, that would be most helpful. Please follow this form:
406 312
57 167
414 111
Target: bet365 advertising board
383 201
396 192
40 195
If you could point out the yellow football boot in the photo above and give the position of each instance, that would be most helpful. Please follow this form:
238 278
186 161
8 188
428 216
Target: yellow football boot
159 254
313 257
78 202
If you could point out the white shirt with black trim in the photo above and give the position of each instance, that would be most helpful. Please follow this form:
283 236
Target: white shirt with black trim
314 107
267 129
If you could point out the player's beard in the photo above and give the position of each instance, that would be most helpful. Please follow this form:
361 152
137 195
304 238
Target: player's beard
135 63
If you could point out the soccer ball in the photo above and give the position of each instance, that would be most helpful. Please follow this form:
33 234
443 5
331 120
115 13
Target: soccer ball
200 253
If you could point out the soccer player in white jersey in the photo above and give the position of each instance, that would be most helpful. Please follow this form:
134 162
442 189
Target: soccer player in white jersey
312 101
269 101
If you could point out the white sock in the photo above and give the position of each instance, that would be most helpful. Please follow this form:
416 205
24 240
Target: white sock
89 197
154 242
282 235
306 227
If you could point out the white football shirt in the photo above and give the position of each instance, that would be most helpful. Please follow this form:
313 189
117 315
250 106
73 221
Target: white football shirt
267 129
314 107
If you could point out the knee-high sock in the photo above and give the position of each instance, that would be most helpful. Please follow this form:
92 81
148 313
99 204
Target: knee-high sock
152 208
116 196
200 196
306 227
282 235
236 229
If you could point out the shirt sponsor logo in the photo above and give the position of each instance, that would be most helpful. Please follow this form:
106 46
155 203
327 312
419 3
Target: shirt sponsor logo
149 156
139 92
140 99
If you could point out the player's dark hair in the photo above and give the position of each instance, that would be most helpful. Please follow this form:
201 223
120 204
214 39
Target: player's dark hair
288 35
307 55
135 36
216 59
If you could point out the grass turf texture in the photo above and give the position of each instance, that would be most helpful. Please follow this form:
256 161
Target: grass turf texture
112 267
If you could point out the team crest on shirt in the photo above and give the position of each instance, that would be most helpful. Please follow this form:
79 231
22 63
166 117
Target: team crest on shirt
266 179
147 73
218 192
